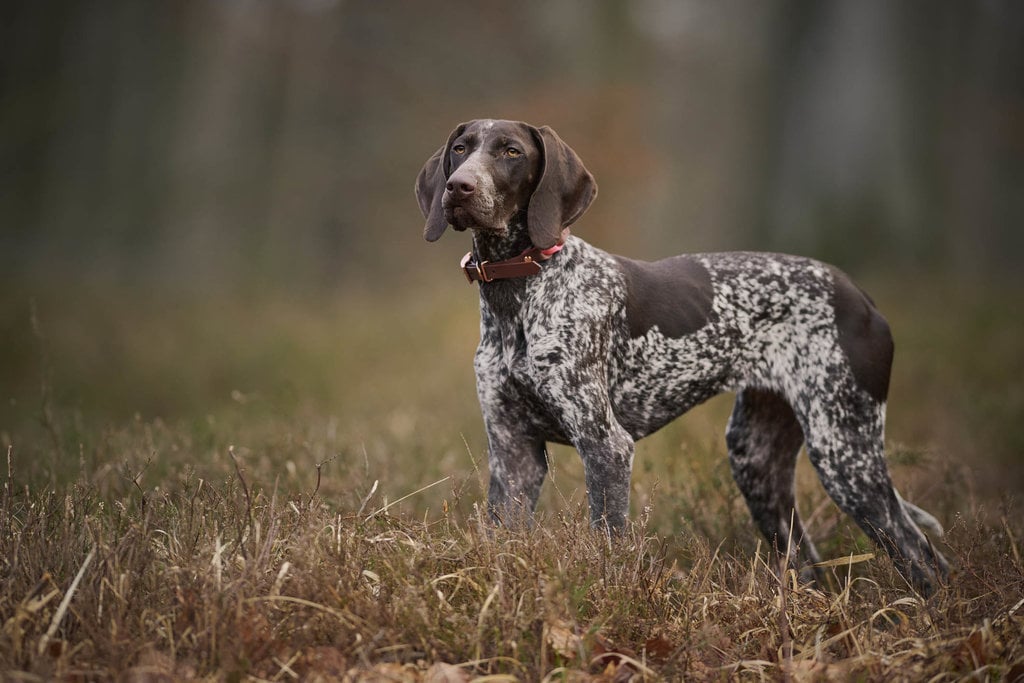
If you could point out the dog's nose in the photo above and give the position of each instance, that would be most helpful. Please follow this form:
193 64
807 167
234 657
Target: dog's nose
461 186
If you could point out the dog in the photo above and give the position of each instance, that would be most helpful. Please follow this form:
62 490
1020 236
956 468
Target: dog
581 347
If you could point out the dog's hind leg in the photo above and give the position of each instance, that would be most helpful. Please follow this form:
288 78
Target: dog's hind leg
764 439
845 441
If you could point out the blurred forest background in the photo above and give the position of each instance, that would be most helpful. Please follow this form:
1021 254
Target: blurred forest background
170 168
203 142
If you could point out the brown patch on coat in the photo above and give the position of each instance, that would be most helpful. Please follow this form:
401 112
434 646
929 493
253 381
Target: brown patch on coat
674 294
863 335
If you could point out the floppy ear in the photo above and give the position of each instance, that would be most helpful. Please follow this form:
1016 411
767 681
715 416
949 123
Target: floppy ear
430 187
563 193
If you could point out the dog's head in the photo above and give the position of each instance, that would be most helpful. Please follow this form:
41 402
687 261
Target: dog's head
490 171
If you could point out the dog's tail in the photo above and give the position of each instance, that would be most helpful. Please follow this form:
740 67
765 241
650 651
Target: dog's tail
921 518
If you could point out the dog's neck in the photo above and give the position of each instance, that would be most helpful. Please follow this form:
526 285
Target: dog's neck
492 245
503 297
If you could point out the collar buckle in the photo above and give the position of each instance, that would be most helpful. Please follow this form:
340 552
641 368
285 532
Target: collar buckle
473 270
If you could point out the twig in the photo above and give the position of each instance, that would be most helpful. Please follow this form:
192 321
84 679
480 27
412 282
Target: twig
248 500
1006 525
8 485
847 561
373 489
63 607
787 642
408 495
319 465
483 612
192 515
476 467
276 589
343 615
135 481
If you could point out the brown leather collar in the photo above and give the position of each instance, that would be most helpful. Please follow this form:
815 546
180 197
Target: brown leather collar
527 263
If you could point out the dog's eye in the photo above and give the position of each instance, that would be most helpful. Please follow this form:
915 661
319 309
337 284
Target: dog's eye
512 152
459 149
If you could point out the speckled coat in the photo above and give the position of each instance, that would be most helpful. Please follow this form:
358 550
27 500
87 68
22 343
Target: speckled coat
598 351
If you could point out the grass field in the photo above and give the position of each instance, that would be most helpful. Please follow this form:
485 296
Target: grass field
290 487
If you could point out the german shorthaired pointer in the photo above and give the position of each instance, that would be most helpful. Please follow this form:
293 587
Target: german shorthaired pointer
581 347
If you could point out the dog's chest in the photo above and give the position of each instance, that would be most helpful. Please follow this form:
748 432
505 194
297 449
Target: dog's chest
504 344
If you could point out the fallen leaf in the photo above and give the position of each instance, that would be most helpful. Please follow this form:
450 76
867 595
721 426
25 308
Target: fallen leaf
604 651
658 648
971 650
563 639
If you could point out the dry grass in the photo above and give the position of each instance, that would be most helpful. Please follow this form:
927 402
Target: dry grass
230 580
250 534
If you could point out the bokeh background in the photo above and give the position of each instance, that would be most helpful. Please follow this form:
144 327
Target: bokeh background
208 233
208 141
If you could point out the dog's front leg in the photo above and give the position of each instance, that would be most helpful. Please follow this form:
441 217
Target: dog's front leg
606 448
517 465
515 451
608 463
